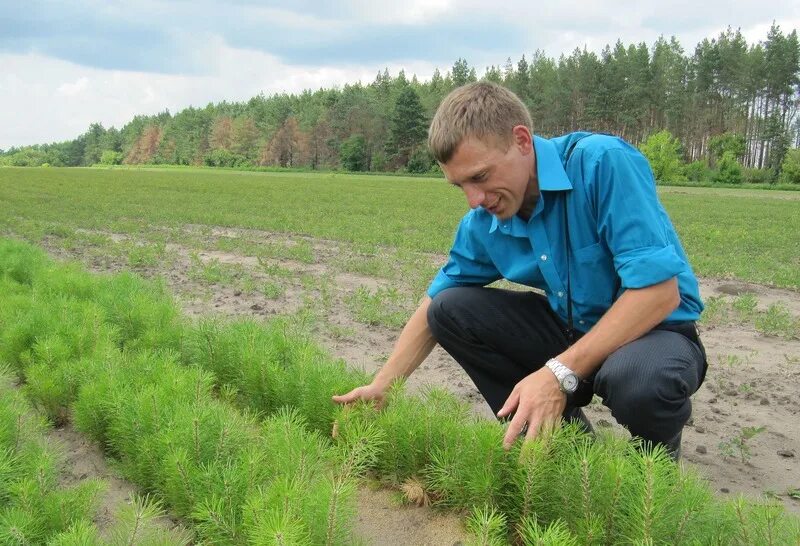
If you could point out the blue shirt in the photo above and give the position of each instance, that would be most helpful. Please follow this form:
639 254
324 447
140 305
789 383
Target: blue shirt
619 234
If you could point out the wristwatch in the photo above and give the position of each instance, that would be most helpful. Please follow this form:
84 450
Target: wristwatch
567 381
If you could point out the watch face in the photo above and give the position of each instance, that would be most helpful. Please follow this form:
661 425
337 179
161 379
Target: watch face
571 383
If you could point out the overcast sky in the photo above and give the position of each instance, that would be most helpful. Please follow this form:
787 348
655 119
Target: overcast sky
64 65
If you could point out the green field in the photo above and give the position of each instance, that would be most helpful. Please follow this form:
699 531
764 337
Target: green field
743 234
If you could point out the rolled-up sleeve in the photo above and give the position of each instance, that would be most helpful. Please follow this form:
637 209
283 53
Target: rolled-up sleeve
631 221
469 263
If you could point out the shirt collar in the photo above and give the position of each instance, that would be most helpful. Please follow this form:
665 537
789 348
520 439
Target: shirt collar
549 167
552 177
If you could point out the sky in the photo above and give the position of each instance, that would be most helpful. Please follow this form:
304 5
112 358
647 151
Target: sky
65 65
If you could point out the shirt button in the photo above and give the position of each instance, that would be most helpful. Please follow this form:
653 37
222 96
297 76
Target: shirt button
561 294
544 257
581 322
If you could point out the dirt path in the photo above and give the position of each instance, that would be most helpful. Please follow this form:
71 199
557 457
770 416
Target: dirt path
750 387
84 460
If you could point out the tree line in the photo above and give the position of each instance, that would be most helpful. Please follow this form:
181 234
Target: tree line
727 91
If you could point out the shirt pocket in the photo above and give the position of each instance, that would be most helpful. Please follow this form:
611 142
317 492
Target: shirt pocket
593 285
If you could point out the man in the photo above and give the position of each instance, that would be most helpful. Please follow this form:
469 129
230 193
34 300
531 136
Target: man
577 217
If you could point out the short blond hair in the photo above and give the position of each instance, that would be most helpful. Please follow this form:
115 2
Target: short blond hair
482 110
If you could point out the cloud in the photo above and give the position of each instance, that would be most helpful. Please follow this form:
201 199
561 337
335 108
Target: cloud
52 100
71 89
68 64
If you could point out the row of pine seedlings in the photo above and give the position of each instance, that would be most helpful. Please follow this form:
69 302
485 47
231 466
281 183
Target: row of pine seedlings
35 509
230 426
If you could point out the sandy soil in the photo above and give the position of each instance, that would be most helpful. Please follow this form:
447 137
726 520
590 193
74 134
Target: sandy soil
752 379
83 460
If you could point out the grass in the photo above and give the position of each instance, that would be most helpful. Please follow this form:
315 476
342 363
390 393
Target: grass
739 445
727 233
778 321
384 307
775 321
213 271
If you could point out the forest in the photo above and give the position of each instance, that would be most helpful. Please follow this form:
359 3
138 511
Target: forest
727 110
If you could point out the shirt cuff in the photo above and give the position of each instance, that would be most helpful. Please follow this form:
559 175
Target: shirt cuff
648 266
440 282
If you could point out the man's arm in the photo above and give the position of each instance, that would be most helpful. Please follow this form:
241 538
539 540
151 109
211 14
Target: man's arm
538 400
412 347
635 313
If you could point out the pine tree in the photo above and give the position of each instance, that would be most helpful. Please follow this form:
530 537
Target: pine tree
408 126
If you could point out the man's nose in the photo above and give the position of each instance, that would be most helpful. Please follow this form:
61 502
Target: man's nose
474 195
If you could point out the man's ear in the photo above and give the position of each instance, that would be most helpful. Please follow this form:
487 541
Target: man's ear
522 139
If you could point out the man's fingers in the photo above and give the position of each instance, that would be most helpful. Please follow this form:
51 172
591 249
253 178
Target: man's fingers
533 430
511 403
514 428
542 428
345 398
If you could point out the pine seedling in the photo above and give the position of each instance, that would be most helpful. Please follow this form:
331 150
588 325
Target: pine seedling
177 484
329 510
30 320
92 410
615 469
80 533
38 468
535 466
19 527
143 312
487 527
67 280
316 379
21 262
293 449
414 428
218 521
557 533
52 387
587 473
471 467
328 503
224 489
61 508
278 529
358 447
241 355
214 347
8 465
271 519
539 479
137 524
649 499
764 523
696 516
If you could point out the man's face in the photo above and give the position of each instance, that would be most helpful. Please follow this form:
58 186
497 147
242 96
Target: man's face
501 181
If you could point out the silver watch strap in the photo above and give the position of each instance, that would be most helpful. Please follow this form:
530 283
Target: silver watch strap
558 368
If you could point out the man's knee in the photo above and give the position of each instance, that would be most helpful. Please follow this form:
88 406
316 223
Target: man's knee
644 382
445 307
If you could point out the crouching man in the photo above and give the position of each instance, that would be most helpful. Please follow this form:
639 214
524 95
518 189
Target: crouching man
577 217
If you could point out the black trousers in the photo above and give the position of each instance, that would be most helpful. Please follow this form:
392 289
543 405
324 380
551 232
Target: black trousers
501 336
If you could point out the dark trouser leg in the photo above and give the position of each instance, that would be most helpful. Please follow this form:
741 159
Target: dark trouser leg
497 336
647 385
500 336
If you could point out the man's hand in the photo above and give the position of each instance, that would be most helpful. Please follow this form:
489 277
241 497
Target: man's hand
366 393
538 401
